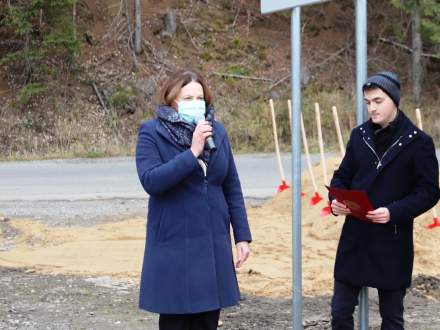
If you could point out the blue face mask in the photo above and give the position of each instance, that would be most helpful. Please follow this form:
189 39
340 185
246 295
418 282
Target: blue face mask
192 111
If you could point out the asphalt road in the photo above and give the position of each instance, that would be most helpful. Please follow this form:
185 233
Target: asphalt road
90 191
87 191
109 178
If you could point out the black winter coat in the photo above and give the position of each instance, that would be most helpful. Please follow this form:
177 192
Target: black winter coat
405 180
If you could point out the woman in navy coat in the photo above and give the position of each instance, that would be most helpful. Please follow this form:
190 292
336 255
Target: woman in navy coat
395 163
188 272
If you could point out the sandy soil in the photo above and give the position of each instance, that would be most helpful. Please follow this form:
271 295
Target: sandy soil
115 249
268 270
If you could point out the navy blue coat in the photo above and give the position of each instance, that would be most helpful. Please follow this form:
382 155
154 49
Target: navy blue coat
188 265
406 182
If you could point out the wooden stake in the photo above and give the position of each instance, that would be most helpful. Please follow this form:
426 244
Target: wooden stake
275 136
309 162
338 131
434 209
306 146
419 118
321 144
289 106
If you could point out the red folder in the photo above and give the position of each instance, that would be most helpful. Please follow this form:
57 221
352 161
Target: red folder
356 200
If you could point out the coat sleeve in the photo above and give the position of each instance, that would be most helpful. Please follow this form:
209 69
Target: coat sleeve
155 175
235 201
426 191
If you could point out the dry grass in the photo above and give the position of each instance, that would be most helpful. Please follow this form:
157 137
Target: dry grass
71 133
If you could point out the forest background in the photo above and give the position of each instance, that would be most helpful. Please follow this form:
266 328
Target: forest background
77 77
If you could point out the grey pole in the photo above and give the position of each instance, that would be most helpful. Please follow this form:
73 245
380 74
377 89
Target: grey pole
296 168
361 76
361 58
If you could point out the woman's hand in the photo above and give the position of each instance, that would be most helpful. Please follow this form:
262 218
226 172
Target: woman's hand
201 133
380 215
339 208
243 252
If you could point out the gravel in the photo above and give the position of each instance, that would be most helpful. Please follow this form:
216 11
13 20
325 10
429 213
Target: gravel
83 212
34 301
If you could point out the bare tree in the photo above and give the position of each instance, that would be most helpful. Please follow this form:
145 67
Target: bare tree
170 20
73 19
137 27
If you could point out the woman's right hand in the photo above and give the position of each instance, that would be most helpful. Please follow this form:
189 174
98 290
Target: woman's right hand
201 133
339 208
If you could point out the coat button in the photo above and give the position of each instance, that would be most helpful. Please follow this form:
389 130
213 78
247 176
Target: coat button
410 136
400 144
415 132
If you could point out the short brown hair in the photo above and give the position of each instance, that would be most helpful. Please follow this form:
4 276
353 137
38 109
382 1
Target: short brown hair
172 86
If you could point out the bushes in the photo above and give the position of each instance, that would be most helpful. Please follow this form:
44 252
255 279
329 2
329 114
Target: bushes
47 34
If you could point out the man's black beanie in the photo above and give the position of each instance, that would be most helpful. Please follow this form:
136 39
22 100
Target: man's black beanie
388 82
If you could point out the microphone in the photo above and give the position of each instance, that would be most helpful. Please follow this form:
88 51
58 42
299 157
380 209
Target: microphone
209 143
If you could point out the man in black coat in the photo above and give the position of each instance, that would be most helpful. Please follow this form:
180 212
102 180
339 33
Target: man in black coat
394 162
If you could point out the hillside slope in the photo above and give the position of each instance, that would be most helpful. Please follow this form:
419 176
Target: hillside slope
224 40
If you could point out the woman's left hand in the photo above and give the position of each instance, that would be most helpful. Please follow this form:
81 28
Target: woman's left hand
243 252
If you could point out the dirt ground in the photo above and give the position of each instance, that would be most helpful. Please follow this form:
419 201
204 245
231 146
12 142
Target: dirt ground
29 300
115 248
82 271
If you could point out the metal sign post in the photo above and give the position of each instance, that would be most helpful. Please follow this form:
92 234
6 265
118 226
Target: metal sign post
361 115
270 6
296 169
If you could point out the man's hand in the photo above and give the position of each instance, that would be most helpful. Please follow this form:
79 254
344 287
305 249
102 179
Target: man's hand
380 215
243 252
339 208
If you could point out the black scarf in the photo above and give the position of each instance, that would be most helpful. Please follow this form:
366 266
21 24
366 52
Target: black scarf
181 131
384 137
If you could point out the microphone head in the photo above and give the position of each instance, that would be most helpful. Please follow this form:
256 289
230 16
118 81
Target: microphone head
210 144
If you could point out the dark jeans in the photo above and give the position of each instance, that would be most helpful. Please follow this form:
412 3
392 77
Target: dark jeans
345 298
198 321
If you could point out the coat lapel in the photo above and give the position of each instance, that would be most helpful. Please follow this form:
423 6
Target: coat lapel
404 138
406 135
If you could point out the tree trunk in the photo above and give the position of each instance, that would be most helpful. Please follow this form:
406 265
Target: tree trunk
170 20
137 27
28 65
74 19
417 62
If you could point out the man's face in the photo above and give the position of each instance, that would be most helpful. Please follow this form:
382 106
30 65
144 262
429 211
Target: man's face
381 107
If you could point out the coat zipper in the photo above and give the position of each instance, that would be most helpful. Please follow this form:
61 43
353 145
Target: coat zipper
379 159
205 179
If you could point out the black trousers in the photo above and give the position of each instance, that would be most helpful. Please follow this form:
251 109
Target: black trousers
198 321
345 299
